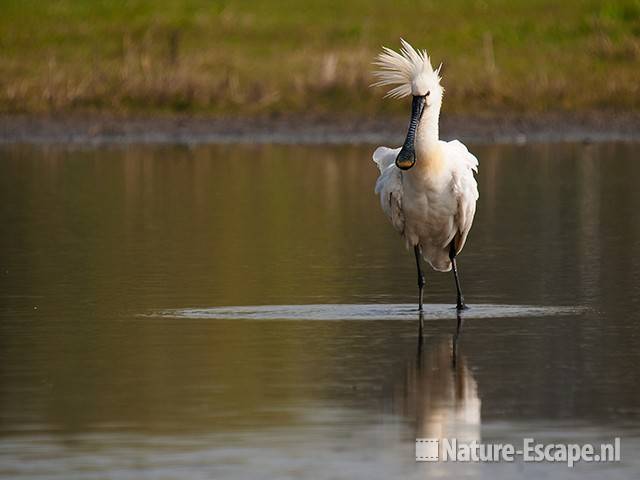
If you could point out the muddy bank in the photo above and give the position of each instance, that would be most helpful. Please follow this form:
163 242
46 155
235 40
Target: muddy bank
100 129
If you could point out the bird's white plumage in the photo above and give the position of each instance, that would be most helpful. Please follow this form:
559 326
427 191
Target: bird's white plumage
410 70
440 210
465 188
389 185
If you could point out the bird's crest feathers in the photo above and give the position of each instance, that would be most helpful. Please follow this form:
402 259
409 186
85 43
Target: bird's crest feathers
409 70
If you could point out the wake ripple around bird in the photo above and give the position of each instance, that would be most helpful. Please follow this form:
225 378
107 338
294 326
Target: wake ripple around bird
326 312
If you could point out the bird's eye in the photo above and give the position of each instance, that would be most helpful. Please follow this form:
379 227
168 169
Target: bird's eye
428 93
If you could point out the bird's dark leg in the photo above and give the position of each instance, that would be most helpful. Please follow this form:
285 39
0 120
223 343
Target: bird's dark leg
418 251
452 255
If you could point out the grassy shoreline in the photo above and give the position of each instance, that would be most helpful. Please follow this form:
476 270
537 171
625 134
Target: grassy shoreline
265 57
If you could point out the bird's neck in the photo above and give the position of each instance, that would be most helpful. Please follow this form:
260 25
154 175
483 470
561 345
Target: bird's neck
428 142
427 134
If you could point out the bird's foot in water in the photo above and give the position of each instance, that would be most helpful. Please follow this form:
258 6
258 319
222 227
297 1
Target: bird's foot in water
461 306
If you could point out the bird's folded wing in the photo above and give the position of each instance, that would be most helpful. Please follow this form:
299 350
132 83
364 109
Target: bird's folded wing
389 185
465 188
385 156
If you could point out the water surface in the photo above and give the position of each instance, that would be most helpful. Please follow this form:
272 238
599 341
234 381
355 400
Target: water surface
117 359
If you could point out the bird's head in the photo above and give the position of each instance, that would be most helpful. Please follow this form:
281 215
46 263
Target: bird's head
411 73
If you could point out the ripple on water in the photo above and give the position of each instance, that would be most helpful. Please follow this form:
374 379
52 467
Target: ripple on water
400 311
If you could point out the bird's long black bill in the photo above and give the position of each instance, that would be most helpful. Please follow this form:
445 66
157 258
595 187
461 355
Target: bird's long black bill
407 156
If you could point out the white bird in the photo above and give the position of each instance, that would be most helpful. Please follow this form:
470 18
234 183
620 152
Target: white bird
426 187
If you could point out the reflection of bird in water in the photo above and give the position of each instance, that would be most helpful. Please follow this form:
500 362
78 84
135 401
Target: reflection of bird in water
440 393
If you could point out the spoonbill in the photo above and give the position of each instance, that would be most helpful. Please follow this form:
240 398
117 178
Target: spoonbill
426 187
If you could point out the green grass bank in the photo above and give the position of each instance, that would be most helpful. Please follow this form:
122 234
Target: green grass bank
260 57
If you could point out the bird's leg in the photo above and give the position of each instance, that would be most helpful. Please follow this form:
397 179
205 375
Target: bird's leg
452 255
418 251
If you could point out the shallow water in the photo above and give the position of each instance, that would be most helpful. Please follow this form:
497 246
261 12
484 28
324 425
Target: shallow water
174 312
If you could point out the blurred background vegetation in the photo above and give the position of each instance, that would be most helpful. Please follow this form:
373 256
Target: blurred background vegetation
268 57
